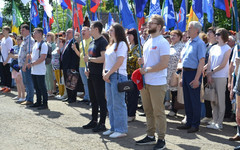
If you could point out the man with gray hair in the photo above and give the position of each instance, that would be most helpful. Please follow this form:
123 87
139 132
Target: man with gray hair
193 59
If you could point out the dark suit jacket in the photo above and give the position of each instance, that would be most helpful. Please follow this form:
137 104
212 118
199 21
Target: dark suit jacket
70 59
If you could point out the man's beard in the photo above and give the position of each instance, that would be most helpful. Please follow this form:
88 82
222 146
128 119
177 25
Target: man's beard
151 31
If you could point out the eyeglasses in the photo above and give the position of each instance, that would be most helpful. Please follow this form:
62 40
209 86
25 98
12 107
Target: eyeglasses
217 34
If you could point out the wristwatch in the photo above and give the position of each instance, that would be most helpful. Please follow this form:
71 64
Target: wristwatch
145 70
89 60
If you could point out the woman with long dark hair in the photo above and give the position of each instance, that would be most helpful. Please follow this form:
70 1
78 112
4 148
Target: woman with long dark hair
114 71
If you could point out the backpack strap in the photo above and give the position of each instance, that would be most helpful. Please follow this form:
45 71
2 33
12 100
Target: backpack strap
40 47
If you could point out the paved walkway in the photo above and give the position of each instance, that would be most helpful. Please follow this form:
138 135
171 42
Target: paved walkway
59 128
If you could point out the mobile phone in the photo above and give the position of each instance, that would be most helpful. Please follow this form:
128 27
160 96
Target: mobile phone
178 71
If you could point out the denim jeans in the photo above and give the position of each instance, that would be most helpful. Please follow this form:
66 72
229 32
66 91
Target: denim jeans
28 83
41 90
85 83
116 104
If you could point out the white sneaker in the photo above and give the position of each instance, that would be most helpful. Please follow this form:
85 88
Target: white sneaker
117 135
108 132
205 120
184 121
211 122
60 97
15 98
21 100
172 114
130 119
213 126
220 126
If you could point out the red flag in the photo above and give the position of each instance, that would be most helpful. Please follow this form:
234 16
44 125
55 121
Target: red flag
79 11
141 21
94 5
51 21
227 9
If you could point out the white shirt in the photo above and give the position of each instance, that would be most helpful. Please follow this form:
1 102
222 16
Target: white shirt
153 49
217 54
6 45
235 54
111 57
39 69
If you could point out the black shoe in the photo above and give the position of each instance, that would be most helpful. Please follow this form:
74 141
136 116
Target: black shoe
65 100
193 130
84 101
143 114
183 127
146 141
99 128
237 148
71 101
35 105
160 145
42 107
90 125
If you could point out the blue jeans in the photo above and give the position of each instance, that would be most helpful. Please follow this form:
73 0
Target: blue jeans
28 83
116 104
85 83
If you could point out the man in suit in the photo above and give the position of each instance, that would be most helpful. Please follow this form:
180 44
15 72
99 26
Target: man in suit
69 60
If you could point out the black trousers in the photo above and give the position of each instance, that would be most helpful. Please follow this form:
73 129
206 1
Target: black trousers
207 103
96 87
174 100
41 90
72 94
132 101
6 77
228 109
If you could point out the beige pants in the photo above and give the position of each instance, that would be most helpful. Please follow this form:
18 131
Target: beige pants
152 99
218 109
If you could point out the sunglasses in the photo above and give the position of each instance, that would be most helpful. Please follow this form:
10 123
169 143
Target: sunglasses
217 34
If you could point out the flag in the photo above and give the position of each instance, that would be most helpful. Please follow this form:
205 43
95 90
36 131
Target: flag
163 5
224 5
154 8
47 7
15 29
141 21
69 17
94 5
208 9
169 14
140 5
197 8
191 17
65 4
1 19
34 12
94 16
45 24
110 21
127 15
81 2
51 21
16 16
80 15
25 1
181 18
116 2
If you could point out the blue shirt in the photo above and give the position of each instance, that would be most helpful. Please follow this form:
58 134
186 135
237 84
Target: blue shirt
192 52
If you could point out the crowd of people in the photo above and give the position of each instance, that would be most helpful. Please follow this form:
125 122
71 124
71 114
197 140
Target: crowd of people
167 68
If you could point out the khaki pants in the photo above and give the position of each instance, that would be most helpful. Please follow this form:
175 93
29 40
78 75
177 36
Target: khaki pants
152 99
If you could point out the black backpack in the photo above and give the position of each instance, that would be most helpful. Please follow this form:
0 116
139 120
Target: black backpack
49 53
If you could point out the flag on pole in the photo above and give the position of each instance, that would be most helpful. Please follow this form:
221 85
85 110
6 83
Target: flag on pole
81 2
47 7
163 6
15 29
127 15
154 8
35 16
140 5
80 15
45 24
65 4
1 19
94 5
197 8
51 21
208 9
192 17
16 16
169 14
181 18
116 2
141 21
110 21
224 5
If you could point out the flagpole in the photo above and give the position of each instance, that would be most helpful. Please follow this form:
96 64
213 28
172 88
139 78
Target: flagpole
80 30
138 38
73 18
63 18
30 28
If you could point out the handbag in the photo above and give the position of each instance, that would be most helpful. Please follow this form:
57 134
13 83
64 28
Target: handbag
174 80
126 86
210 93
14 65
72 79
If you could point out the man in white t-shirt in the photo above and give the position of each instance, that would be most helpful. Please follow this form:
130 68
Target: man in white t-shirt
38 71
155 59
5 60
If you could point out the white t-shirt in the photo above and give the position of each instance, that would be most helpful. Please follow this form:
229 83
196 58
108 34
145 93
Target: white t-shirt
111 57
153 49
6 45
235 54
217 54
39 69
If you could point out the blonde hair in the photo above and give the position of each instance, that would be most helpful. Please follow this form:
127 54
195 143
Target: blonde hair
52 36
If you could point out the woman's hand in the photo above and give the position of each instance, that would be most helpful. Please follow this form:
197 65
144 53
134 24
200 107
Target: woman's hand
106 77
140 61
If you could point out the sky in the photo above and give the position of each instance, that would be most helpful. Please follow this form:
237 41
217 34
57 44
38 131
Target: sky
1 4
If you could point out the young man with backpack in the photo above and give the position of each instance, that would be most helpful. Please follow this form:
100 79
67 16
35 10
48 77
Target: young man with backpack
38 71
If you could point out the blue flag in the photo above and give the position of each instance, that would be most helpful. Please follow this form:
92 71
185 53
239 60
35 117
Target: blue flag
181 18
94 16
197 8
154 8
110 21
127 15
45 24
140 5
169 14
116 2
1 19
81 2
34 12
208 9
